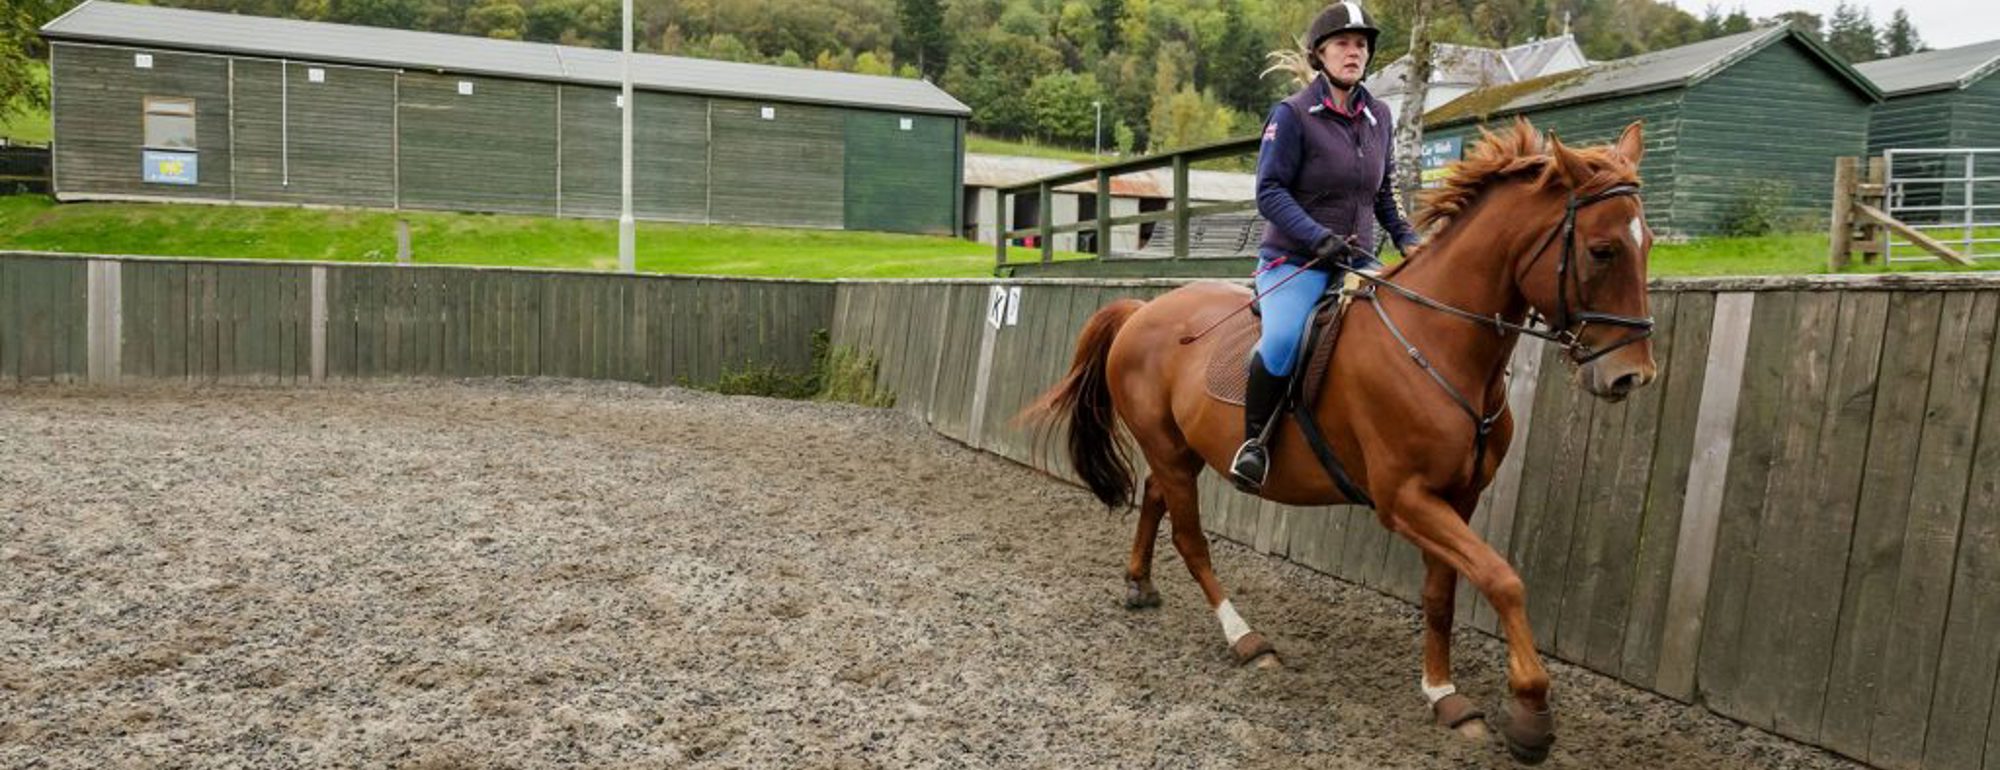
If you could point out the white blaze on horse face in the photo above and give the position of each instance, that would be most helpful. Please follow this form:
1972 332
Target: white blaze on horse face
1639 231
1233 626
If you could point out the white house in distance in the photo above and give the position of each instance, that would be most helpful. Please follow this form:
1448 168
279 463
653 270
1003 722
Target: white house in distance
1462 69
1130 194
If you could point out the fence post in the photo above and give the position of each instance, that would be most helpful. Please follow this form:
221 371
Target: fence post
999 228
1045 211
1180 206
1103 248
1841 231
1874 190
402 241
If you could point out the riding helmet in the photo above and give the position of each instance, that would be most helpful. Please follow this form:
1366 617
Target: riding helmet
1339 17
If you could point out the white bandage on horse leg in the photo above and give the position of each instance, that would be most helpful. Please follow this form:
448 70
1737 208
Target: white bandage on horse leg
1438 693
1233 626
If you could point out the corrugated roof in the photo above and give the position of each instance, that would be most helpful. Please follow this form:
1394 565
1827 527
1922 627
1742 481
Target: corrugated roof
1934 70
107 22
1010 170
1480 67
1669 68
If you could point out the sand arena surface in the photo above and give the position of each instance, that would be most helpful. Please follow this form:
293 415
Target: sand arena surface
552 574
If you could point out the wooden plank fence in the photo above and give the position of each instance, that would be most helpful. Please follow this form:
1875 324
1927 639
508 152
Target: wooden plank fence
1797 526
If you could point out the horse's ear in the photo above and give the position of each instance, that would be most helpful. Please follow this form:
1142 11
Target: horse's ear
1574 170
1632 143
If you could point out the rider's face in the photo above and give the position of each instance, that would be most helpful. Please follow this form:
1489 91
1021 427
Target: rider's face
1344 57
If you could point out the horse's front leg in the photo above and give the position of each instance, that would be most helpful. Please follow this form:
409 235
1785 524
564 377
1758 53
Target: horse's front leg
1436 527
1452 709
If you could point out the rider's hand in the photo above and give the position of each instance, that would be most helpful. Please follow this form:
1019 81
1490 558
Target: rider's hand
1332 248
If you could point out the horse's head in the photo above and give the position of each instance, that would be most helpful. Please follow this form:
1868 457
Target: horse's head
1588 276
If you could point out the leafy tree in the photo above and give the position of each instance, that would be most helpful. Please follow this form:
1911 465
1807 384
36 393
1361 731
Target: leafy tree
1188 118
1900 37
1851 33
1234 70
21 86
921 37
501 19
1738 22
398 14
1808 23
986 72
870 63
1061 105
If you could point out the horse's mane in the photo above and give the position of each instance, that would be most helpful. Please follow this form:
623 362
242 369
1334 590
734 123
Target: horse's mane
1513 153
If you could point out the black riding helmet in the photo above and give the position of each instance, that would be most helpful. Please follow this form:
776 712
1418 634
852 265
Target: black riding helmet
1339 17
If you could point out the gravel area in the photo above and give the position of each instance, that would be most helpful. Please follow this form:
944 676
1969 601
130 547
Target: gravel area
531 574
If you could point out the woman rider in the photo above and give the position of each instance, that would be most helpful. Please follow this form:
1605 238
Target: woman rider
1324 166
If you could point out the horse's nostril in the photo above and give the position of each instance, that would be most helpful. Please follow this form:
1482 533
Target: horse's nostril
1625 383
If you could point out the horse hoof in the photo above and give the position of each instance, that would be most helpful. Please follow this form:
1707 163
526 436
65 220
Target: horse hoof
1528 734
1457 713
1141 595
1254 650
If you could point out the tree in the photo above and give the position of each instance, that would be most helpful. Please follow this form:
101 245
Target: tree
1189 118
1808 23
921 37
1061 105
1900 37
499 19
1851 34
22 87
1234 70
987 70
1410 124
397 14
1738 22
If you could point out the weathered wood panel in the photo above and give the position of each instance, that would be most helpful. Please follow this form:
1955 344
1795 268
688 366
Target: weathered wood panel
900 178
669 154
1807 116
300 141
786 170
43 321
99 113
493 149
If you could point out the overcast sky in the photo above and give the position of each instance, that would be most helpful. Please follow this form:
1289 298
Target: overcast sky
1942 23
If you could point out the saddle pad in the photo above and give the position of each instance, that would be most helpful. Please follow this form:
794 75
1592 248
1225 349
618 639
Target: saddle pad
1236 338
1229 358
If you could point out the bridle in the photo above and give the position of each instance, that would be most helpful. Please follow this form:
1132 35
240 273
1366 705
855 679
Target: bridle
1566 331
1571 326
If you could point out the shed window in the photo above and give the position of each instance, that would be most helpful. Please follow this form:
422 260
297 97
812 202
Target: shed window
169 123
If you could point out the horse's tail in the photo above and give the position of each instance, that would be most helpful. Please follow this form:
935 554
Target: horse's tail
1082 403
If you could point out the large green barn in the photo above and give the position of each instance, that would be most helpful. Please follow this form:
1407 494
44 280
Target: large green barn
1936 99
165 104
1738 127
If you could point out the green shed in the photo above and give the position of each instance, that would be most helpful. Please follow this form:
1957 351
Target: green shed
1741 126
1937 99
164 104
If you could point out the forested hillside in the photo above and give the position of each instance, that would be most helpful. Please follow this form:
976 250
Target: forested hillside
1168 73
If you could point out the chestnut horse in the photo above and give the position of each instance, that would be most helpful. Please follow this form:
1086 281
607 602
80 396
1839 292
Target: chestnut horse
1414 405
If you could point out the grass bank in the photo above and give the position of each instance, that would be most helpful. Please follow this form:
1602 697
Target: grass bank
243 232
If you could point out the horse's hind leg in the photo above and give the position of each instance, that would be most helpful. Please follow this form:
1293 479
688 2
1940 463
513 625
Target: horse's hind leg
1139 591
1176 483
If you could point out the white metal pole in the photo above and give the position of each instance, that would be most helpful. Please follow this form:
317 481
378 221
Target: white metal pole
626 262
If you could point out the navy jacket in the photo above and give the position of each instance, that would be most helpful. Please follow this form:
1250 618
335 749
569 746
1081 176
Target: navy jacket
1322 171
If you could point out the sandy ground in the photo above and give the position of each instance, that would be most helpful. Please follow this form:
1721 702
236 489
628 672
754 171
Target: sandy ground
549 574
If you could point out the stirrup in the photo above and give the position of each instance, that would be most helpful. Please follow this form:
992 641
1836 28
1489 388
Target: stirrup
1261 460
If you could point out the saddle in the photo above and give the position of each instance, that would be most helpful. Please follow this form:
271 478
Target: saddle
1228 377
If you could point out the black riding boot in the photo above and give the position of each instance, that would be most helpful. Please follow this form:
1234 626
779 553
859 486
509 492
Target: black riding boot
1260 402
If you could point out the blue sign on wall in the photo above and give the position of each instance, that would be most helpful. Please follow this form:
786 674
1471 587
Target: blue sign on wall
170 167
1435 155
